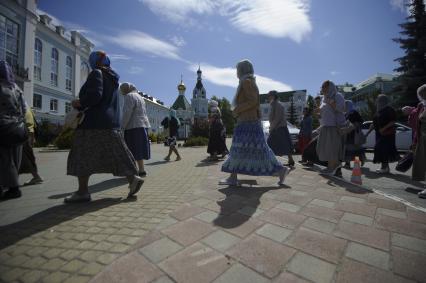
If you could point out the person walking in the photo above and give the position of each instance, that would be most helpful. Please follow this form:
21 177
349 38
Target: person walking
98 145
172 124
419 162
384 125
135 123
354 139
12 115
279 139
330 145
28 163
305 133
217 136
249 153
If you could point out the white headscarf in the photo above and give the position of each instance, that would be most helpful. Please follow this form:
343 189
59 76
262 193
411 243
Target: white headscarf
245 71
421 94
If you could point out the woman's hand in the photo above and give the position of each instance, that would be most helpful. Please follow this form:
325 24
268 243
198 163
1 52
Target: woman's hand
76 103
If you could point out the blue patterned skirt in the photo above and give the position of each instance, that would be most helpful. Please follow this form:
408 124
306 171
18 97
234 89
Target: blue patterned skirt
250 154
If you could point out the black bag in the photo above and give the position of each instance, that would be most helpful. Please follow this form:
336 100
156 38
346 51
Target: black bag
405 162
13 130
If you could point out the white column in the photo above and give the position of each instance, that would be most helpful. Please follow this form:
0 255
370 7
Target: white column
77 73
30 27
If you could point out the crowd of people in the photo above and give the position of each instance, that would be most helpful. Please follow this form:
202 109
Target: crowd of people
112 139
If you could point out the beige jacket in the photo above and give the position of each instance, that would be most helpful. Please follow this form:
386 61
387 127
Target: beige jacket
247 102
277 117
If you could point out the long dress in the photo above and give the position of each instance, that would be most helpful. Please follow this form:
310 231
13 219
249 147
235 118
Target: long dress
419 163
385 148
217 138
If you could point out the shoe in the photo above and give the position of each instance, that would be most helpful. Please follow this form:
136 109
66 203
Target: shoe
178 158
422 194
77 198
383 171
12 193
283 174
167 158
229 181
34 181
135 186
142 174
291 163
302 162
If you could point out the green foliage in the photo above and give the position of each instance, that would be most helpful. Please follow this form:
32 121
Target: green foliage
161 137
310 102
196 141
65 139
292 112
370 99
227 117
152 137
311 105
200 129
412 65
47 132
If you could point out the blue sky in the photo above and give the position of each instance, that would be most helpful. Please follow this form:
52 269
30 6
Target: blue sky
293 44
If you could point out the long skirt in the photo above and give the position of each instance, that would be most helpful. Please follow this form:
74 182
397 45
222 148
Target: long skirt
385 149
217 145
28 163
138 143
250 154
279 141
100 151
330 145
419 162
10 161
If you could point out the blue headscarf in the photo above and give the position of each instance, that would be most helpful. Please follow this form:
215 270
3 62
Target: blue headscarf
6 74
98 60
173 115
349 106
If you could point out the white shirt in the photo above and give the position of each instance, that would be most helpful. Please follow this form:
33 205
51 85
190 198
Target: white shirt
134 112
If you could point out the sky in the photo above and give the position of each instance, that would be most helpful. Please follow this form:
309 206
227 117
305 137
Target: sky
293 44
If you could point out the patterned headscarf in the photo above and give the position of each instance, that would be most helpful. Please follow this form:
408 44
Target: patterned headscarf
99 59
382 101
126 88
245 71
6 74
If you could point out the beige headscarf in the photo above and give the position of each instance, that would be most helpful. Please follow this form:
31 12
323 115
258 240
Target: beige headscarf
245 71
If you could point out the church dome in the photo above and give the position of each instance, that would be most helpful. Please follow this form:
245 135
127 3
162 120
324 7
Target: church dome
181 86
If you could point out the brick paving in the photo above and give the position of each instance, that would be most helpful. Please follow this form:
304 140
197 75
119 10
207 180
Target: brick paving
184 227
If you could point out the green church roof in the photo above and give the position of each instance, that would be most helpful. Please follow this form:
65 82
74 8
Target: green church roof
181 103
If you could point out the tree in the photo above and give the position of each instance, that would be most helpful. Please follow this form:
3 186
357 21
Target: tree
311 106
292 112
227 116
412 65
310 102
368 112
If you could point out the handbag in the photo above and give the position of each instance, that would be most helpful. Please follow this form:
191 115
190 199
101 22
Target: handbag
74 118
405 162
13 130
345 129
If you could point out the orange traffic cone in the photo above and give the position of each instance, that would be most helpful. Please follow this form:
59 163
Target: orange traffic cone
356 172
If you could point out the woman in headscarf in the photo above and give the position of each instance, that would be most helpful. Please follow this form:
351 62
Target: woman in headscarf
384 126
279 139
98 145
355 139
217 135
135 123
172 124
249 154
330 145
12 106
419 163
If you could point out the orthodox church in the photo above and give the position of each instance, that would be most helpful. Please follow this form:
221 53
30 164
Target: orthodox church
190 113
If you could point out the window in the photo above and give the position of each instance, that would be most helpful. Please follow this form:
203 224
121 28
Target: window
68 74
84 72
9 41
38 49
54 105
67 107
37 101
54 67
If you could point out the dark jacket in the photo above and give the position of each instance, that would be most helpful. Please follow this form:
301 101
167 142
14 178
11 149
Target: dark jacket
99 96
172 125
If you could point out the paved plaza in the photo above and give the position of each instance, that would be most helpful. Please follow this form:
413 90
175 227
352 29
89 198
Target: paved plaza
184 227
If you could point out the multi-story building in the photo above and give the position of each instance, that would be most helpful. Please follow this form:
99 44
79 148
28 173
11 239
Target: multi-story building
50 63
156 112
285 98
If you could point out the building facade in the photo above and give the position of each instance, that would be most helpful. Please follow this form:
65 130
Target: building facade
156 112
285 98
50 63
184 112
199 101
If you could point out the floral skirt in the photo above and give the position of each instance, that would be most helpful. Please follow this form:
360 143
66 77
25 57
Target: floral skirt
250 154
100 151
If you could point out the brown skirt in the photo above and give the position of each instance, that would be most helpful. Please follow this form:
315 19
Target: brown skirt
100 151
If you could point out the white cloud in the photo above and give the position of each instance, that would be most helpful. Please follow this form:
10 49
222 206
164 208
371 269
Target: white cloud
140 42
228 77
273 18
134 70
334 73
400 5
116 57
178 40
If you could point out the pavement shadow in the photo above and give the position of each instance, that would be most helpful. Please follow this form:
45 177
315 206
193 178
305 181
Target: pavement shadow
338 182
237 198
99 187
395 176
208 162
157 163
44 220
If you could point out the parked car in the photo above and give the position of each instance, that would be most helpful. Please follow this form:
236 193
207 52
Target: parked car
293 130
403 136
